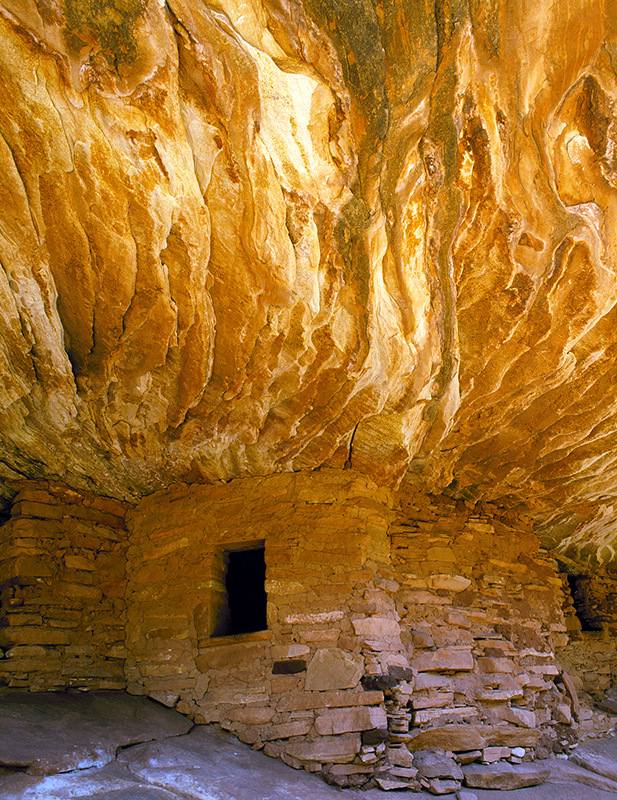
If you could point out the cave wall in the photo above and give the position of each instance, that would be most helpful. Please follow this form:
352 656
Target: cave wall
62 585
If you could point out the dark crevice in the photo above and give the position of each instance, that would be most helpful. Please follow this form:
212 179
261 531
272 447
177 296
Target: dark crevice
586 612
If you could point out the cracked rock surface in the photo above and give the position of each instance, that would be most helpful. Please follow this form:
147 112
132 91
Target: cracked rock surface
62 732
249 236
153 753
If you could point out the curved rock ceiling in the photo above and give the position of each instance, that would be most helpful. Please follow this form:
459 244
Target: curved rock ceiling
247 236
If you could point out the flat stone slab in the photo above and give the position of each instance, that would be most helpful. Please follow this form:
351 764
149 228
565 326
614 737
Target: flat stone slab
463 737
206 764
113 781
504 776
544 791
598 756
58 732
566 772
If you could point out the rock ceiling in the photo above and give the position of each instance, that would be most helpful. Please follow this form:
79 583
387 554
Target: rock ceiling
247 236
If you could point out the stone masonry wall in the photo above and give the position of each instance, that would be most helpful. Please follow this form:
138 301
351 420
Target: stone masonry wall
591 655
480 608
395 625
62 581
297 687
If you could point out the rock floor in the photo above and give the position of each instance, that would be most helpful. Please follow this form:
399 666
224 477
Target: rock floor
111 746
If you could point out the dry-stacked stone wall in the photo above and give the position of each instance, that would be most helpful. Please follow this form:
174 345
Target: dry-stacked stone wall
480 607
590 609
395 625
62 582
298 688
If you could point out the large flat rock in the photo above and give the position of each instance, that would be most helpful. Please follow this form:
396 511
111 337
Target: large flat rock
206 764
111 781
58 732
566 772
598 756
504 776
459 737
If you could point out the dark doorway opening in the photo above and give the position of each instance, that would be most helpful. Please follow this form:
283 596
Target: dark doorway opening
245 608
584 608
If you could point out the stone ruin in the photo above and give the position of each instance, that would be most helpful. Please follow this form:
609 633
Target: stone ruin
382 638
307 372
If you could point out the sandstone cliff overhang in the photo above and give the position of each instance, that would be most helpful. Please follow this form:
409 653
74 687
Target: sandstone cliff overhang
241 238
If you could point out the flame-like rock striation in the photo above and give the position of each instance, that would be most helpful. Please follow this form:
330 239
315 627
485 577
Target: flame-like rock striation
247 236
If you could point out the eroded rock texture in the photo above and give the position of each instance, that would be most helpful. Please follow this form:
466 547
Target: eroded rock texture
247 236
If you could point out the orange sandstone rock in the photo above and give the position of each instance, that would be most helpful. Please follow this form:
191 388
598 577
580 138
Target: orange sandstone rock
299 236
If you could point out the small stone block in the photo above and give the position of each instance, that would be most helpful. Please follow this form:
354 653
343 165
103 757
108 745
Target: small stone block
440 786
333 668
327 749
388 785
445 659
400 757
469 757
492 754
401 673
403 772
437 765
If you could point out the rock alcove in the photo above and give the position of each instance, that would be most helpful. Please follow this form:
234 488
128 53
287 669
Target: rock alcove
334 284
